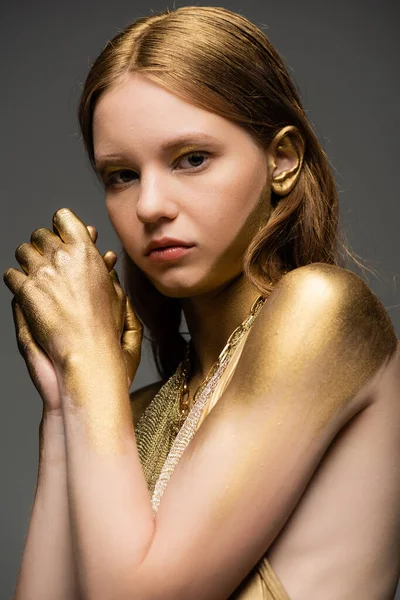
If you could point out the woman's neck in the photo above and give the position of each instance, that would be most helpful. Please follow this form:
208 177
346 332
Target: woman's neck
212 317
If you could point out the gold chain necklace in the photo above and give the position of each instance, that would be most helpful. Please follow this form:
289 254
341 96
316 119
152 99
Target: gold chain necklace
163 430
230 345
187 429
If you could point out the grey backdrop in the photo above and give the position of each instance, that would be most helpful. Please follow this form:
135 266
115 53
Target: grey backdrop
343 56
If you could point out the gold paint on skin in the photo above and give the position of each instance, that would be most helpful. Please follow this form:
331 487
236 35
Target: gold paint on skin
316 358
98 399
330 335
79 318
290 142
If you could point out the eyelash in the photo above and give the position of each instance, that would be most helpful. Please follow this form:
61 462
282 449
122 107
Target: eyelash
110 183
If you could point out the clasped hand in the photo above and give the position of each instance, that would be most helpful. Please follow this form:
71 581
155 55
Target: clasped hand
67 298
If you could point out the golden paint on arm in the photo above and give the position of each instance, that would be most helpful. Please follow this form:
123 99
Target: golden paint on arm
320 344
307 367
96 400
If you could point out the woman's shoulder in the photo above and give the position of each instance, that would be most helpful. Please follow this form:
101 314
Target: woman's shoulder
326 277
141 398
322 323
347 302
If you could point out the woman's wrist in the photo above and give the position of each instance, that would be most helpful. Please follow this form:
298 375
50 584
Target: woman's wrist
87 376
52 437
86 348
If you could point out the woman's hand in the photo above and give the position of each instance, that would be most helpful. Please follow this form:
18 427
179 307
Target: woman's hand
40 364
66 294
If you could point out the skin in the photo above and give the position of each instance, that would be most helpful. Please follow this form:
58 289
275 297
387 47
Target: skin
48 547
165 195
321 355
40 367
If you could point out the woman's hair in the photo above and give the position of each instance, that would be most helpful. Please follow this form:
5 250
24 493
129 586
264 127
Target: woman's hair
221 62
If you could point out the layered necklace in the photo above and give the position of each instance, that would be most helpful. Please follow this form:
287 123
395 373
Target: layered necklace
224 356
169 423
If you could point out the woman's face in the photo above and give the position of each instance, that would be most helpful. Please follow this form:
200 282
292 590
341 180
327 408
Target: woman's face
210 192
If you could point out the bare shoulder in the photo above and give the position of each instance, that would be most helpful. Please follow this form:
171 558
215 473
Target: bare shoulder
141 398
349 304
323 321
338 289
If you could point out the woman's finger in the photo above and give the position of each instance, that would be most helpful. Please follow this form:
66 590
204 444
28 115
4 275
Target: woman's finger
110 258
117 285
39 365
43 239
131 341
25 341
92 232
120 317
14 279
69 226
28 257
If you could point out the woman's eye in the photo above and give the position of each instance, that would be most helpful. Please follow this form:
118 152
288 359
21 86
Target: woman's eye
122 173
122 176
197 155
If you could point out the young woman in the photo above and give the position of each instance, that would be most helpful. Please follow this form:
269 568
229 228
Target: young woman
263 463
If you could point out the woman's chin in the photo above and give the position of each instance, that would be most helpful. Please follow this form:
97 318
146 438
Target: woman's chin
202 283
181 289
174 291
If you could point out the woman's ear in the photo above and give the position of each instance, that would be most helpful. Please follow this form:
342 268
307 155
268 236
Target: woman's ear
286 154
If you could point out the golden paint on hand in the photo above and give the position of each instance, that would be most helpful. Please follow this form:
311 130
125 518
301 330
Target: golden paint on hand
72 310
66 294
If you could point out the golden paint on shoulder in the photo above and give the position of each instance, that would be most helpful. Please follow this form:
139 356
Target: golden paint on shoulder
322 333
305 369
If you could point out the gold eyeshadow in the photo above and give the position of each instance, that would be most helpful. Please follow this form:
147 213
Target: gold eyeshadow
185 150
114 168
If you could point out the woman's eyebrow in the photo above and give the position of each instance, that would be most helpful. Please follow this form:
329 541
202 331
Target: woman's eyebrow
193 137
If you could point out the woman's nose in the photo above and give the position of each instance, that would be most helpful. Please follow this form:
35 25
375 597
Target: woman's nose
155 202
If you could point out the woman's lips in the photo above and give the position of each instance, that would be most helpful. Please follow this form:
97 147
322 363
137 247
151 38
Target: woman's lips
165 242
169 253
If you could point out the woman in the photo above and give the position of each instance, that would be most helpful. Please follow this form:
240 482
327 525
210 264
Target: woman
261 464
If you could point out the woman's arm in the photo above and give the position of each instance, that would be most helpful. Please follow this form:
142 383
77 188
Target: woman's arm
47 569
311 358
112 520
59 274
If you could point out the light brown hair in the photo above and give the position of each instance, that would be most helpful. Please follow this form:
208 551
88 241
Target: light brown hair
221 62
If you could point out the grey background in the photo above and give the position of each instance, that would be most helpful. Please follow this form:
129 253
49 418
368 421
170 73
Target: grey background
343 56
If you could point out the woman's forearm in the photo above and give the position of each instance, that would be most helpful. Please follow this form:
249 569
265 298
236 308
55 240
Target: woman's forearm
47 570
112 520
